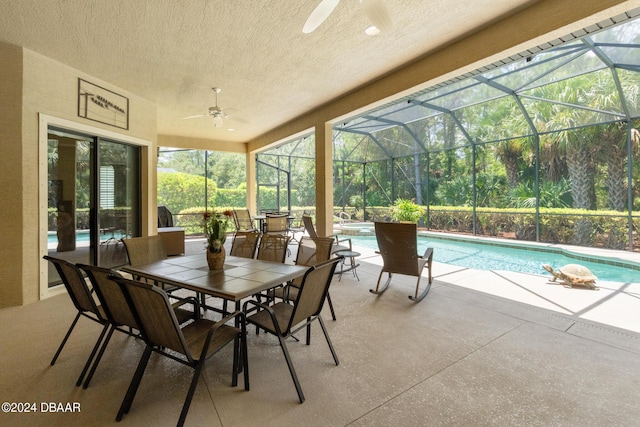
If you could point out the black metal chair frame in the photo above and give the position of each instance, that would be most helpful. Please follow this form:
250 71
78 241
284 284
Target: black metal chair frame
82 299
282 311
113 317
398 247
245 242
303 258
196 362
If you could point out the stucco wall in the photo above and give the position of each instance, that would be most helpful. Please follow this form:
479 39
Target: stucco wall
10 174
32 85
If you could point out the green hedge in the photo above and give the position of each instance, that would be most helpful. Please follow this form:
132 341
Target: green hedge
607 229
231 197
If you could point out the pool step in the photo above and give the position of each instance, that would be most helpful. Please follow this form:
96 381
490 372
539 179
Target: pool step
367 231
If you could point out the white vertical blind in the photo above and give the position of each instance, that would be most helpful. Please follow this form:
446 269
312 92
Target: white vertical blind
107 187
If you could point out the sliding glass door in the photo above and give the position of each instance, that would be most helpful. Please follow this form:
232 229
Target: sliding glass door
93 198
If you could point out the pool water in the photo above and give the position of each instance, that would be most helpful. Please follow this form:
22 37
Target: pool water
491 257
83 236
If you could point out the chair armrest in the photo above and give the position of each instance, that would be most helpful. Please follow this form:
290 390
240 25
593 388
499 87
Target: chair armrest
346 239
285 289
258 305
268 309
428 254
218 325
188 300
224 320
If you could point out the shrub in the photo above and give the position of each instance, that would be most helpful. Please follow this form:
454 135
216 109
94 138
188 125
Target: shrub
406 210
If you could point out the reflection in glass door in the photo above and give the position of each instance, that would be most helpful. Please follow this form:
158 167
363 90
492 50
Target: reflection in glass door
81 179
117 200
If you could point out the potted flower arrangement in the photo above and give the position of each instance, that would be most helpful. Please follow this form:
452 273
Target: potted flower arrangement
215 230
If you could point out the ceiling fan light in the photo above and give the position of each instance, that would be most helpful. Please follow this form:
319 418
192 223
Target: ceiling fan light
372 30
217 121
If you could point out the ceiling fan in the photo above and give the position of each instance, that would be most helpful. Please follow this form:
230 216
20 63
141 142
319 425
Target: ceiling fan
375 10
215 112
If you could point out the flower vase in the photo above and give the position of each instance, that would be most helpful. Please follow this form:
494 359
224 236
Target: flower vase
216 259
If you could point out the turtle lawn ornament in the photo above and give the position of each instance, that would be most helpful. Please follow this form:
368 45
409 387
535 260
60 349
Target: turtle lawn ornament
573 275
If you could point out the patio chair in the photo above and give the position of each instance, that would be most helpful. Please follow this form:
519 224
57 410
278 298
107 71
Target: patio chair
277 223
245 243
283 319
84 302
146 250
311 252
119 313
273 247
242 220
297 226
398 244
190 345
311 231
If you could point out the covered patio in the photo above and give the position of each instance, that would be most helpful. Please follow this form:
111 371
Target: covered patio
47 62
538 354
484 348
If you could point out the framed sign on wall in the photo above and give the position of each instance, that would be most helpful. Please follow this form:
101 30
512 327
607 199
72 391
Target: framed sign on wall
102 105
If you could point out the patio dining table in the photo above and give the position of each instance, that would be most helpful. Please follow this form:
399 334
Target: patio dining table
240 278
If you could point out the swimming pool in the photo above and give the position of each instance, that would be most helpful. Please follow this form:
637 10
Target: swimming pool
482 256
83 236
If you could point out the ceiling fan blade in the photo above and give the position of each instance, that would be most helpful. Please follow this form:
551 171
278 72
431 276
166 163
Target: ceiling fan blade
193 117
319 14
377 13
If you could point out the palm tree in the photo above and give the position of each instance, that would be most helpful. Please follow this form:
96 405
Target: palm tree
564 137
510 153
612 138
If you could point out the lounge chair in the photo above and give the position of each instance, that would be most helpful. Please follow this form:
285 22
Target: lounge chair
311 231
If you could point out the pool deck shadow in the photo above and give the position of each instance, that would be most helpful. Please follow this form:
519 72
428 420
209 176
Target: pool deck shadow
615 304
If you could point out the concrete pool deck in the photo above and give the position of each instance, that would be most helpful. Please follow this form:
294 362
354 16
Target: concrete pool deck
482 349
615 304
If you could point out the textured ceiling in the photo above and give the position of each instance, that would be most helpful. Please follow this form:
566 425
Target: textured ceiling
172 52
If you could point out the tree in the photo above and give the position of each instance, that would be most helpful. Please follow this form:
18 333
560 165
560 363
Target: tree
612 137
226 169
179 191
